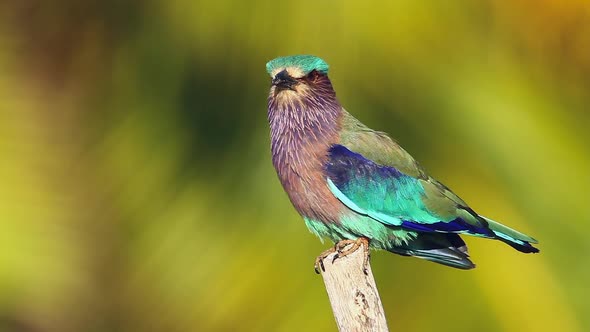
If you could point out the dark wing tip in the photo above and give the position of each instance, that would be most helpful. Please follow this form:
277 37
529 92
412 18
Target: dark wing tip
447 249
526 248
448 256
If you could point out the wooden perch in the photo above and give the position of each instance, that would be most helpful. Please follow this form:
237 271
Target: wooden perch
353 293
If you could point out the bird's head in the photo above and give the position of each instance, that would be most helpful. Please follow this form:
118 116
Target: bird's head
302 104
297 75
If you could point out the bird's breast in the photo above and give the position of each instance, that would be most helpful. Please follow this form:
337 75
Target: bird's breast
302 129
301 172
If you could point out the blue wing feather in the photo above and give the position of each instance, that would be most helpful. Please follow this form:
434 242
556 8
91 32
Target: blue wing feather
386 194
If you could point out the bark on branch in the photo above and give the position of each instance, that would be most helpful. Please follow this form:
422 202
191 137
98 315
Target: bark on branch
353 293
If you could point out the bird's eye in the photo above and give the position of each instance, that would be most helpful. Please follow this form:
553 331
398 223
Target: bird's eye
313 75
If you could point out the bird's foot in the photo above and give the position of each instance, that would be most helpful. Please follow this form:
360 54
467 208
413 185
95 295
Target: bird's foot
341 251
319 261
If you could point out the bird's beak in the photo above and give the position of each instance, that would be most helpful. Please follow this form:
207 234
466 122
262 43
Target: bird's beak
283 81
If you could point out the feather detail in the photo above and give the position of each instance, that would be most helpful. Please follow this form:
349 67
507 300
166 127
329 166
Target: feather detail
303 124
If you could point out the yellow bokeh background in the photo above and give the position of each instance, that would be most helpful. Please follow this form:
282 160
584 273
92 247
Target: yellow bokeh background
137 192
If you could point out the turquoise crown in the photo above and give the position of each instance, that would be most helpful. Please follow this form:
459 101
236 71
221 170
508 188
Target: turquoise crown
306 63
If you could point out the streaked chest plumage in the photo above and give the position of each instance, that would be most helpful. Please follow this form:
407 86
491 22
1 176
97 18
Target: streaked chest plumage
300 138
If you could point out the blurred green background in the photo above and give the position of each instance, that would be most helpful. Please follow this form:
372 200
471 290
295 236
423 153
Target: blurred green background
137 192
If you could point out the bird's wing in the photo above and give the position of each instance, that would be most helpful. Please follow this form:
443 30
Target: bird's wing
377 146
395 198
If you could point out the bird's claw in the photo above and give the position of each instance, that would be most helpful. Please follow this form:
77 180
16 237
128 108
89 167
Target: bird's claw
340 251
336 256
319 261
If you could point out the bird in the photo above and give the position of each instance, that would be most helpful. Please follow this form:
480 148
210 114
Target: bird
355 185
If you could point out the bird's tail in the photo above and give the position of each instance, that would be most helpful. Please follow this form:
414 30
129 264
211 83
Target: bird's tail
443 248
514 238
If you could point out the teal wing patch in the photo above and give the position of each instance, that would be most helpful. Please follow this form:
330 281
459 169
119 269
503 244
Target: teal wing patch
381 192
388 195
